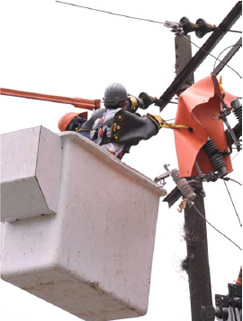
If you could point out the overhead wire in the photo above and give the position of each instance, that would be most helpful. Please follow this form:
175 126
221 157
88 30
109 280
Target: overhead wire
216 58
232 202
110 12
217 230
151 21
122 15
235 156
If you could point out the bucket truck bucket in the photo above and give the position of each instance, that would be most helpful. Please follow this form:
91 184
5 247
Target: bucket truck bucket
78 224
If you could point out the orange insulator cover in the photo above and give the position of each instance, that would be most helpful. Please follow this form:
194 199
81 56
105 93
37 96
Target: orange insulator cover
198 107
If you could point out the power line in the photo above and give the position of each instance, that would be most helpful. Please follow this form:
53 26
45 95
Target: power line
111 13
235 154
122 15
216 58
148 20
232 202
234 49
217 230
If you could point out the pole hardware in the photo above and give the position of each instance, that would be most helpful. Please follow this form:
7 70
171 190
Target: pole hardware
201 27
230 304
233 133
184 26
184 188
216 160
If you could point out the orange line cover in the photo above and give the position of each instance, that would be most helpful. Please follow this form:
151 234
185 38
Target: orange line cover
198 107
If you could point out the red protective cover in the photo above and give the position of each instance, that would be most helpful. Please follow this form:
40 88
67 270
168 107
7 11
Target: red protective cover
198 107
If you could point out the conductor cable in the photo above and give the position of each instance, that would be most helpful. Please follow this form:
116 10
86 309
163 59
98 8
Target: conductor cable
112 13
199 213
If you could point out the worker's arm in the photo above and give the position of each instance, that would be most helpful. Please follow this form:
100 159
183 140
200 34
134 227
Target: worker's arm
143 101
131 128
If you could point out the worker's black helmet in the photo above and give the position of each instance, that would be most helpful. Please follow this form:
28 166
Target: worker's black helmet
115 94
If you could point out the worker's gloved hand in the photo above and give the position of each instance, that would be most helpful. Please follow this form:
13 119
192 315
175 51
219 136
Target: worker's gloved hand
157 120
146 99
134 103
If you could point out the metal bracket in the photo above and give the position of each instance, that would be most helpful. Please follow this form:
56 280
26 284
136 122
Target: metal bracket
222 301
236 141
233 299
175 26
235 290
161 178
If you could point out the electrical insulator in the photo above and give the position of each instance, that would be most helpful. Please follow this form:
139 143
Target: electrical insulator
216 159
201 27
237 109
183 185
187 25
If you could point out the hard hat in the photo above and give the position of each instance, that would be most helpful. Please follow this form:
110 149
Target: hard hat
65 120
115 94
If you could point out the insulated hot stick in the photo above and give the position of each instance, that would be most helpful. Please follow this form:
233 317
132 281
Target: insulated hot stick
89 104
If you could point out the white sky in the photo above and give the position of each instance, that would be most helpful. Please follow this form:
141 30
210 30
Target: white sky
56 49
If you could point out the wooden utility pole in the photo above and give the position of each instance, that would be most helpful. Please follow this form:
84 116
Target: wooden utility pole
197 263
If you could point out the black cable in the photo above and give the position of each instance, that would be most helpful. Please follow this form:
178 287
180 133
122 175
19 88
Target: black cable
232 202
216 59
222 52
202 216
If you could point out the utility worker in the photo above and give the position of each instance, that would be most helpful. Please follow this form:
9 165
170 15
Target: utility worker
116 127
73 122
